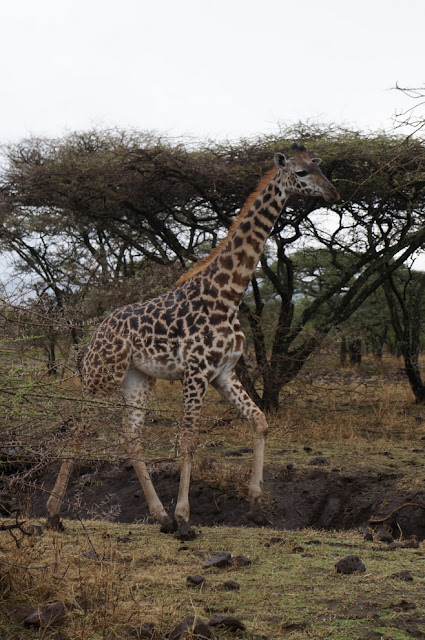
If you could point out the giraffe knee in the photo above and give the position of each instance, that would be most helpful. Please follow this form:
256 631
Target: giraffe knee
259 425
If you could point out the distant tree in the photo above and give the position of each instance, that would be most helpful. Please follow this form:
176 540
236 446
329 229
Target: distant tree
93 207
404 291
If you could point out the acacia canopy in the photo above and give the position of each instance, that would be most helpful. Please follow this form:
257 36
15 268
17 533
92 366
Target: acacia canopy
94 207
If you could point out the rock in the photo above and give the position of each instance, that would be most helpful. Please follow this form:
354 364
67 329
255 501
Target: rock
410 544
350 564
229 622
87 479
383 535
241 561
191 627
195 581
45 614
20 613
219 560
319 460
404 605
405 575
185 532
231 585
297 549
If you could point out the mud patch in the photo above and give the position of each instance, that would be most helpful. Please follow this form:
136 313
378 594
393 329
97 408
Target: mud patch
321 498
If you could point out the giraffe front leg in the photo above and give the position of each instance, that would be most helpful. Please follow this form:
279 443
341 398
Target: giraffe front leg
194 391
260 427
232 391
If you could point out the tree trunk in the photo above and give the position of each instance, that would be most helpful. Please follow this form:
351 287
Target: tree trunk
52 369
413 375
343 351
407 326
355 351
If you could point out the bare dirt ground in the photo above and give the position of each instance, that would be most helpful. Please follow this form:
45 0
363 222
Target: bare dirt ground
314 494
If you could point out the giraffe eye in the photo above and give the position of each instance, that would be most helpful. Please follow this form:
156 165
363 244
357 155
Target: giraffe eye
301 174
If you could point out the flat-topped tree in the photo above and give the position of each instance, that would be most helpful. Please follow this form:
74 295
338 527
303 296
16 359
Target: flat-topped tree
193 334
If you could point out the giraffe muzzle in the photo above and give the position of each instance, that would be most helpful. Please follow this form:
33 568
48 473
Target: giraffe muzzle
332 195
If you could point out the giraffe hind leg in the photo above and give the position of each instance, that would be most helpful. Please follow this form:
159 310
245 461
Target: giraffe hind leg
195 387
135 389
57 494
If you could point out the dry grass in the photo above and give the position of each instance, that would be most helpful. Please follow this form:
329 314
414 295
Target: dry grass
113 578
110 586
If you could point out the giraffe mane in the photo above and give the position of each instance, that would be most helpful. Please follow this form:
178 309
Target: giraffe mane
202 264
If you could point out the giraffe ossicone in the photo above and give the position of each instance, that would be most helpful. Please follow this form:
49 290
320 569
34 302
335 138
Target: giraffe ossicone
192 334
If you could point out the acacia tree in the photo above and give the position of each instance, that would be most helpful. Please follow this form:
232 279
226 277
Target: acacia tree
120 199
404 291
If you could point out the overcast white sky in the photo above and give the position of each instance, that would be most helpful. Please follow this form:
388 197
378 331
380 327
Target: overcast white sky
219 68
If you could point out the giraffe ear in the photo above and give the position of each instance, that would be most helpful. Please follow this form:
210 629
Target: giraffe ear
280 160
316 160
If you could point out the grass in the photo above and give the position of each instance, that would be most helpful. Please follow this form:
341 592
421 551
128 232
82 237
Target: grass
114 578
112 581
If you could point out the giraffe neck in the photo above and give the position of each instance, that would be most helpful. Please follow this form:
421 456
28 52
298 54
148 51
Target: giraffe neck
229 274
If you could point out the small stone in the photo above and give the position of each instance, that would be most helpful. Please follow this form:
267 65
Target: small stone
195 581
404 605
45 614
229 622
383 535
231 585
350 564
21 613
297 549
241 561
191 627
87 479
276 540
405 575
410 544
219 560
185 533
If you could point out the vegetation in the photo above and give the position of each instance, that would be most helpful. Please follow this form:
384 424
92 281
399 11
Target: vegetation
99 219
113 579
93 211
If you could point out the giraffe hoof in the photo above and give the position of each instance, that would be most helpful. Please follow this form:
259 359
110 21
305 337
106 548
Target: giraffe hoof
168 526
256 515
54 523
185 532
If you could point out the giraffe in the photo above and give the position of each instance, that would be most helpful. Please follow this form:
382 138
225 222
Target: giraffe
192 334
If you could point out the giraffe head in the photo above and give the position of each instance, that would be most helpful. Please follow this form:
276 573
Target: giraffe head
301 174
